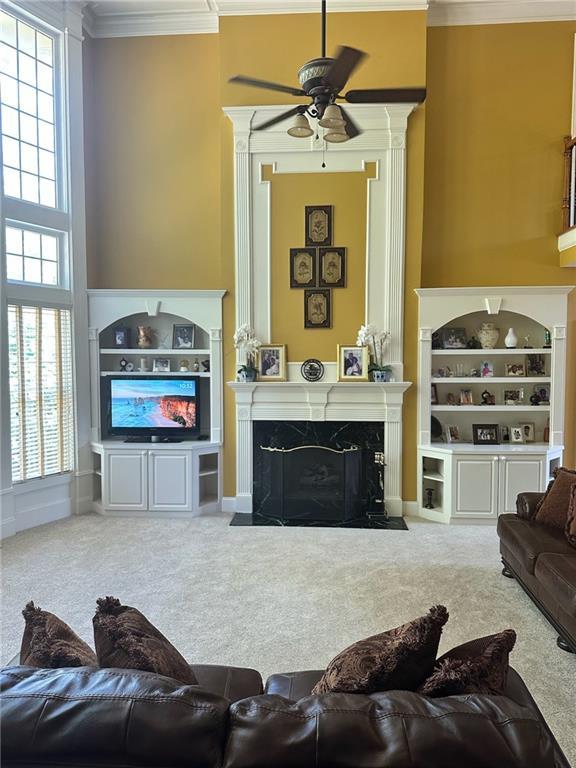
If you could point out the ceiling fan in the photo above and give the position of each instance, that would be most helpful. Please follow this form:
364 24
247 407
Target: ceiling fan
322 81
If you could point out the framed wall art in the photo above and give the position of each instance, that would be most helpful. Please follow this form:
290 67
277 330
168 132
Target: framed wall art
317 308
303 267
318 225
332 267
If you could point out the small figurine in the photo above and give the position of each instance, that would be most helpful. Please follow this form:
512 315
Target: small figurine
123 363
449 371
206 365
195 365
488 398
450 399
527 344
547 339
473 343
184 365
535 399
145 334
474 372
429 494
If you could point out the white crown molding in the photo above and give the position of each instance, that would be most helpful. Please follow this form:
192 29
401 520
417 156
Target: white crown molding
108 19
446 13
496 290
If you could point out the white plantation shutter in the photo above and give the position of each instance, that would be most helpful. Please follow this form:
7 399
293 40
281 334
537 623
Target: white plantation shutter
41 391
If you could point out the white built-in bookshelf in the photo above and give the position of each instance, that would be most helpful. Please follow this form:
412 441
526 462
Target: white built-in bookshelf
472 394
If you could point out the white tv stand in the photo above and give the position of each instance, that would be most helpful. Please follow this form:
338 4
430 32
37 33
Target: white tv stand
157 478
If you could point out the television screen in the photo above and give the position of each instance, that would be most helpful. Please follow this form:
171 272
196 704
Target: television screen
153 404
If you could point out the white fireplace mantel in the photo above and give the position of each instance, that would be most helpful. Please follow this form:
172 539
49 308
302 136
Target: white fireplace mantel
382 143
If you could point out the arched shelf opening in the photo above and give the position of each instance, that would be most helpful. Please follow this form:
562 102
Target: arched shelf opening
167 332
530 333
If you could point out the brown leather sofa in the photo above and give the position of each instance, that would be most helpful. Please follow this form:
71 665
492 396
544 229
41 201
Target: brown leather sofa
78 717
544 564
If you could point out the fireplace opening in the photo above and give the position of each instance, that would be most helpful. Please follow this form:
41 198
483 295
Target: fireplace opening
318 473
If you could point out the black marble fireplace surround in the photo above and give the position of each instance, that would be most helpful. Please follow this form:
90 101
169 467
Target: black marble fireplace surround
298 482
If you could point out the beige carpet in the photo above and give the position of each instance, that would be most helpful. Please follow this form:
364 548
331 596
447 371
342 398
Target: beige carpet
284 599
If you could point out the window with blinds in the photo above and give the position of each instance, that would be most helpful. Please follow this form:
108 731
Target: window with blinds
41 391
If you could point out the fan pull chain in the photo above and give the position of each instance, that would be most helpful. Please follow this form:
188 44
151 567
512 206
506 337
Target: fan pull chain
323 154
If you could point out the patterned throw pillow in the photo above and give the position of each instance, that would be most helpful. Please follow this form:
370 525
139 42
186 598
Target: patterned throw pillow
553 509
124 638
479 666
50 643
570 529
399 659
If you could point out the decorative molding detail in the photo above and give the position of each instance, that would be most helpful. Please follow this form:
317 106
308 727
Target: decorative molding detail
567 239
152 308
92 334
559 332
493 304
425 334
146 22
216 334
443 13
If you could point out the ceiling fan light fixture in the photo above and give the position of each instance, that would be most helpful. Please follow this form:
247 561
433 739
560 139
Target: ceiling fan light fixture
332 117
300 127
336 135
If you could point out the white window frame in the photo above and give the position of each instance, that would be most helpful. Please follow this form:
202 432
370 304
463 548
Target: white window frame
19 509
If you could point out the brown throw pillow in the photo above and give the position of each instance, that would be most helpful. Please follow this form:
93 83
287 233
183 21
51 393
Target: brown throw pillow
479 666
125 638
553 509
400 659
570 529
50 643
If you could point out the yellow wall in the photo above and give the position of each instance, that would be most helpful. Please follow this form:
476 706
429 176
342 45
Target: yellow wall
484 163
498 106
347 193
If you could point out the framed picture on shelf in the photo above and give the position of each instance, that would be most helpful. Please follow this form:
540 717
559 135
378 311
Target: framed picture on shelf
515 369
303 267
161 365
332 267
183 336
353 363
535 365
528 431
543 392
433 395
454 338
485 434
452 433
504 433
486 368
272 362
317 308
121 337
318 225
466 397
511 396
516 434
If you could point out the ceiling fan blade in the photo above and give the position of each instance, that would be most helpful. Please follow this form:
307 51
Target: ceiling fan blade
346 61
279 118
386 96
351 128
265 84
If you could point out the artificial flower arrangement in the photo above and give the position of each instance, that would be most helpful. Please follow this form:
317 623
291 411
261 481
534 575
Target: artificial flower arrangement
369 336
245 340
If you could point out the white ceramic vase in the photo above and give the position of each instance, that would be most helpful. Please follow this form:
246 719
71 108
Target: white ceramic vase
511 340
488 335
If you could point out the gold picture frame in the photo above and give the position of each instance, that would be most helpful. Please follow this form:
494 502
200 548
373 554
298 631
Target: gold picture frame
353 362
272 362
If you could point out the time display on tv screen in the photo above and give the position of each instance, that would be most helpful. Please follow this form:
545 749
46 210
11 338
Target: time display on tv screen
149 403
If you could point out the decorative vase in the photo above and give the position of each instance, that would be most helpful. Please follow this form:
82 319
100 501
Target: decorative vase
250 374
381 376
511 340
488 335
144 336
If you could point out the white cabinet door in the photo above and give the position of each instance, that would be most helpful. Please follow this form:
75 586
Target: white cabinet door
475 486
125 480
170 481
519 474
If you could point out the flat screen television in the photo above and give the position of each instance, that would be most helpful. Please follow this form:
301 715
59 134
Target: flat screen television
148 406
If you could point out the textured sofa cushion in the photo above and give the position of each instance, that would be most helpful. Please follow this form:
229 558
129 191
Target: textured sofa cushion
557 574
400 658
124 638
570 529
49 642
108 717
395 729
479 666
553 509
527 539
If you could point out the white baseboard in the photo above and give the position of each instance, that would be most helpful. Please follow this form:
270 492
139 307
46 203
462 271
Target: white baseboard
7 517
229 504
410 508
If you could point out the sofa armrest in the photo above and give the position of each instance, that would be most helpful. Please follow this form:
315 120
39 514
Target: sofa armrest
527 503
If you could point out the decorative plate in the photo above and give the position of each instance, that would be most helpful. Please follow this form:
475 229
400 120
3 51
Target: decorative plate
312 369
